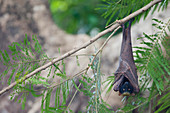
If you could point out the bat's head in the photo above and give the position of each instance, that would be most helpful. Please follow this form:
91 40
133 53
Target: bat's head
126 89
124 86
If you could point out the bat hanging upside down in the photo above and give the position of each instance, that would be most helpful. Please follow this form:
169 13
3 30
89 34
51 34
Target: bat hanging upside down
126 79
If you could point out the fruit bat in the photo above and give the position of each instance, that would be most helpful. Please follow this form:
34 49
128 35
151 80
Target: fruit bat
126 79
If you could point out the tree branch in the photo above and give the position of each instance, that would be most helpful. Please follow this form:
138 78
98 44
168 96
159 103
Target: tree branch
91 63
110 29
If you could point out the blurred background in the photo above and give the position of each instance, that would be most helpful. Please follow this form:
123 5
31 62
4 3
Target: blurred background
77 16
64 24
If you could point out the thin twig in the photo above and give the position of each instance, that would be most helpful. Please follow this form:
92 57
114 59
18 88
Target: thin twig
91 63
45 59
110 29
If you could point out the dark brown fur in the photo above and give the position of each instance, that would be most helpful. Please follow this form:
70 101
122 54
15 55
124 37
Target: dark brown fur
127 66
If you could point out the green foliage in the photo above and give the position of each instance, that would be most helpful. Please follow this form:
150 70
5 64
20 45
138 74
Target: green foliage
21 61
76 16
60 91
79 16
118 9
109 82
163 102
92 89
152 62
153 65
24 58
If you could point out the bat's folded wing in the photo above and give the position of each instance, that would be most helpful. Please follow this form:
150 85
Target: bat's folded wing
124 70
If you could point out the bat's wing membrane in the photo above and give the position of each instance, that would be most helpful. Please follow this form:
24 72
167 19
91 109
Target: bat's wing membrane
124 70
127 68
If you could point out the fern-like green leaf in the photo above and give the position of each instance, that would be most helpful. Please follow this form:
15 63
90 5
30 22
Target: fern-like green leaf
118 9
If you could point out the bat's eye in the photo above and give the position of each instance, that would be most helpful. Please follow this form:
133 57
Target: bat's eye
123 89
129 89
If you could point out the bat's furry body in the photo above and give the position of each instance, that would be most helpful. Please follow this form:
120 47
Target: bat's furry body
127 68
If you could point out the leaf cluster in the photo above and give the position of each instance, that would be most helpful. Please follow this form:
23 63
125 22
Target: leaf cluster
152 60
21 59
118 9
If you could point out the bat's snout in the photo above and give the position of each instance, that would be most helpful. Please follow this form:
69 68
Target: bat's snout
126 94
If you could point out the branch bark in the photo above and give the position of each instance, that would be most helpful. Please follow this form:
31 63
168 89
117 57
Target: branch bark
110 29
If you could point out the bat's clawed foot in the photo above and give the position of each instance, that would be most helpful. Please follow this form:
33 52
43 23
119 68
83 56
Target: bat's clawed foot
119 22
